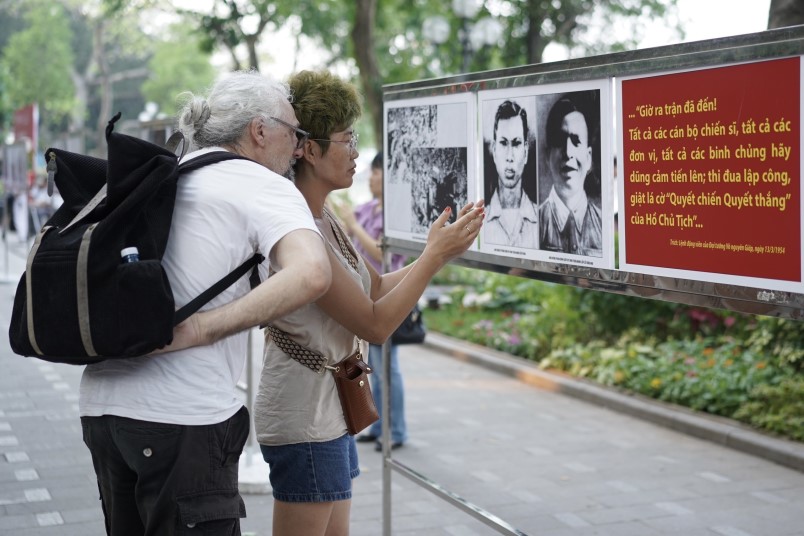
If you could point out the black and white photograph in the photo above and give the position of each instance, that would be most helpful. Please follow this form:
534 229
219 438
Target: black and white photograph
428 143
547 173
509 172
570 208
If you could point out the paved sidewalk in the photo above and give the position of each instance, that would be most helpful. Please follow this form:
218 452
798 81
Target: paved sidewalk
545 462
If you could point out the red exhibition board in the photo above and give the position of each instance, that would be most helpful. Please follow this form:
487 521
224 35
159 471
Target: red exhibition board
711 163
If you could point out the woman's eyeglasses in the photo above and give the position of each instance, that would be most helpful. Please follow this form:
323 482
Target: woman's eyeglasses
351 142
301 135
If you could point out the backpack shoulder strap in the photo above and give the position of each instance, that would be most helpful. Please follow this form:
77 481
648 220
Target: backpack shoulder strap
228 280
208 159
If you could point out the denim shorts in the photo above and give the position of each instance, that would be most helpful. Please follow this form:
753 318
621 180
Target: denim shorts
313 472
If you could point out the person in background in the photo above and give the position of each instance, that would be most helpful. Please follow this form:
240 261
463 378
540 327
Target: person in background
570 221
365 226
298 416
512 216
166 431
42 205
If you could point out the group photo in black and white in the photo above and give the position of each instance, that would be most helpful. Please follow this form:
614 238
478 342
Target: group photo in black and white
427 164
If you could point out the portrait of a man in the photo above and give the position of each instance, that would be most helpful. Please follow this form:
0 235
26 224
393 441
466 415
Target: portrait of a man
511 215
570 216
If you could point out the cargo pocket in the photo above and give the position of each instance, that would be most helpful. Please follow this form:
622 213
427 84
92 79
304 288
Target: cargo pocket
211 512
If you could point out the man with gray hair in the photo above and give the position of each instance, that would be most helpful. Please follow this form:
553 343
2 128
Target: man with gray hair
166 431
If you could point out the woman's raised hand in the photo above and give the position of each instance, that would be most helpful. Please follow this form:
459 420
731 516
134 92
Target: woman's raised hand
448 241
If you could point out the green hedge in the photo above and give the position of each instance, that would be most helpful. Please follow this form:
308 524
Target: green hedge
744 367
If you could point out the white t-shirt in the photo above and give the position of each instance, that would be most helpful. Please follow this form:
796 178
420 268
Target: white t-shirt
224 212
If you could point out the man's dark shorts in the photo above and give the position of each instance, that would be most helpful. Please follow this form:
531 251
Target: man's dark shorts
166 479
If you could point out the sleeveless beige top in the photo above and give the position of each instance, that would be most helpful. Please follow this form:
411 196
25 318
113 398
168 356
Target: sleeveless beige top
294 404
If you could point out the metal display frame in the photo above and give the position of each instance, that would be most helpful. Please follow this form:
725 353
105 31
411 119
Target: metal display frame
767 45
774 44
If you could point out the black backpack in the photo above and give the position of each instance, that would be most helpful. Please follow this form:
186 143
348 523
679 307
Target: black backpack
77 302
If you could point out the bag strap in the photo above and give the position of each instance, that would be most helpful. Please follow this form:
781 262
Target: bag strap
196 163
177 144
344 243
207 159
228 280
315 361
225 282
311 359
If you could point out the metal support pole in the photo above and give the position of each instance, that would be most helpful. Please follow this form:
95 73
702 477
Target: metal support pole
253 471
485 517
6 230
385 381
251 388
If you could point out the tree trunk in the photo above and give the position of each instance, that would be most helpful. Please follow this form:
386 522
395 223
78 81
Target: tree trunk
251 45
106 93
363 41
534 41
785 13
77 128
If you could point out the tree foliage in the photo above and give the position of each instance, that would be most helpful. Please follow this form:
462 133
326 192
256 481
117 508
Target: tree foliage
386 42
784 13
403 53
38 60
235 23
581 27
9 23
178 64
376 42
117 58
103 69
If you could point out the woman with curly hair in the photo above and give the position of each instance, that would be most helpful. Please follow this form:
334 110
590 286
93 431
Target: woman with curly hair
299 420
